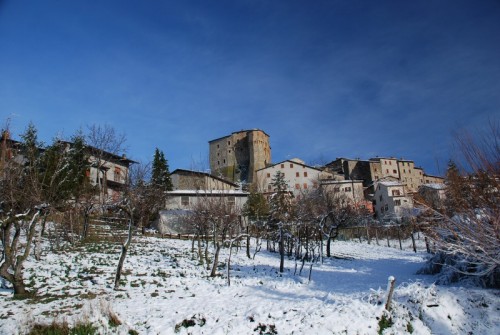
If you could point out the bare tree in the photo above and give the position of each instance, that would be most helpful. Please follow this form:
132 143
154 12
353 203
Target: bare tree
103 141
467 235
21 206
137 204
215 220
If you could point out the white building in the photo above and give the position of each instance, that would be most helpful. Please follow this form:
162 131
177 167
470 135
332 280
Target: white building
433 194
299 176
186 199
391 200
179 204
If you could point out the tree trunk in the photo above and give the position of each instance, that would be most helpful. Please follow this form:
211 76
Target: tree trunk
207 259
328 246
248 244
282 250
13 262
125 247
216 259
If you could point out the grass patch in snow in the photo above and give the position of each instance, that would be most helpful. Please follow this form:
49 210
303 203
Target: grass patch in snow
63 329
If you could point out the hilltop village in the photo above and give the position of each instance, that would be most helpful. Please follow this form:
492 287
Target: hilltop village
241 162
384 186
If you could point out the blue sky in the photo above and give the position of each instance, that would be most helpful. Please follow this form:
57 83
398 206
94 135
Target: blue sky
324 79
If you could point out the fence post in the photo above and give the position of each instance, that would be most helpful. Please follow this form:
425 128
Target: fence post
413 241
399 237
390 291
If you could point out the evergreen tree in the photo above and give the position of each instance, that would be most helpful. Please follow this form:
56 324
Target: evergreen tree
256 207
160 174
458 191
280 204
281 213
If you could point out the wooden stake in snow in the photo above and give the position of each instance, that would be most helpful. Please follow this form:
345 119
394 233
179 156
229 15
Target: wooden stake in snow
390 291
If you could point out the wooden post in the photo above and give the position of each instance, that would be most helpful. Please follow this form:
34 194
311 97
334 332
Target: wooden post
427 245
413 242
368 234
390 291
399 238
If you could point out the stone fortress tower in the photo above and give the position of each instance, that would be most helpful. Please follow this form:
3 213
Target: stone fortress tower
238 156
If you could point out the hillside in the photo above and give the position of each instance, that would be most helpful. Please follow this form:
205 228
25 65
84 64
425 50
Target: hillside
166 291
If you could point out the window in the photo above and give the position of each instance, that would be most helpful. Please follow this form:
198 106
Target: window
404 171
386 208
297 186
268 175
291 165
282 166
380 198
374 202
228 142
184 200
117 174
347 189
387 170
395 193
397 202
305 174
297 174
390 163
336 189
305 185
394 171
231 201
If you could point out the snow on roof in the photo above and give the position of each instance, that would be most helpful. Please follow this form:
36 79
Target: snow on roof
391 183
298 160
295 161
435 186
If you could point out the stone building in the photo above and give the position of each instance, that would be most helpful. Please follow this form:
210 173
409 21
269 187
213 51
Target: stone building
238 156
382 168
196 180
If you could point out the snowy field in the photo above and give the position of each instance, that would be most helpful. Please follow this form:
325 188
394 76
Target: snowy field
166 291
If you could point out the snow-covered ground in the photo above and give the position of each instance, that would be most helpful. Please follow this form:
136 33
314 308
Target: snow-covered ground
166 291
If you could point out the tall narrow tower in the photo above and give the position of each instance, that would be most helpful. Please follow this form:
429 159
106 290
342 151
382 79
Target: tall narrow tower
238 156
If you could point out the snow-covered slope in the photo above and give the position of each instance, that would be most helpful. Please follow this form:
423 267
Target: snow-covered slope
166 291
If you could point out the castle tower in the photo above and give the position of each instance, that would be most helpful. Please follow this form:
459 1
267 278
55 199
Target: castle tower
238 156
